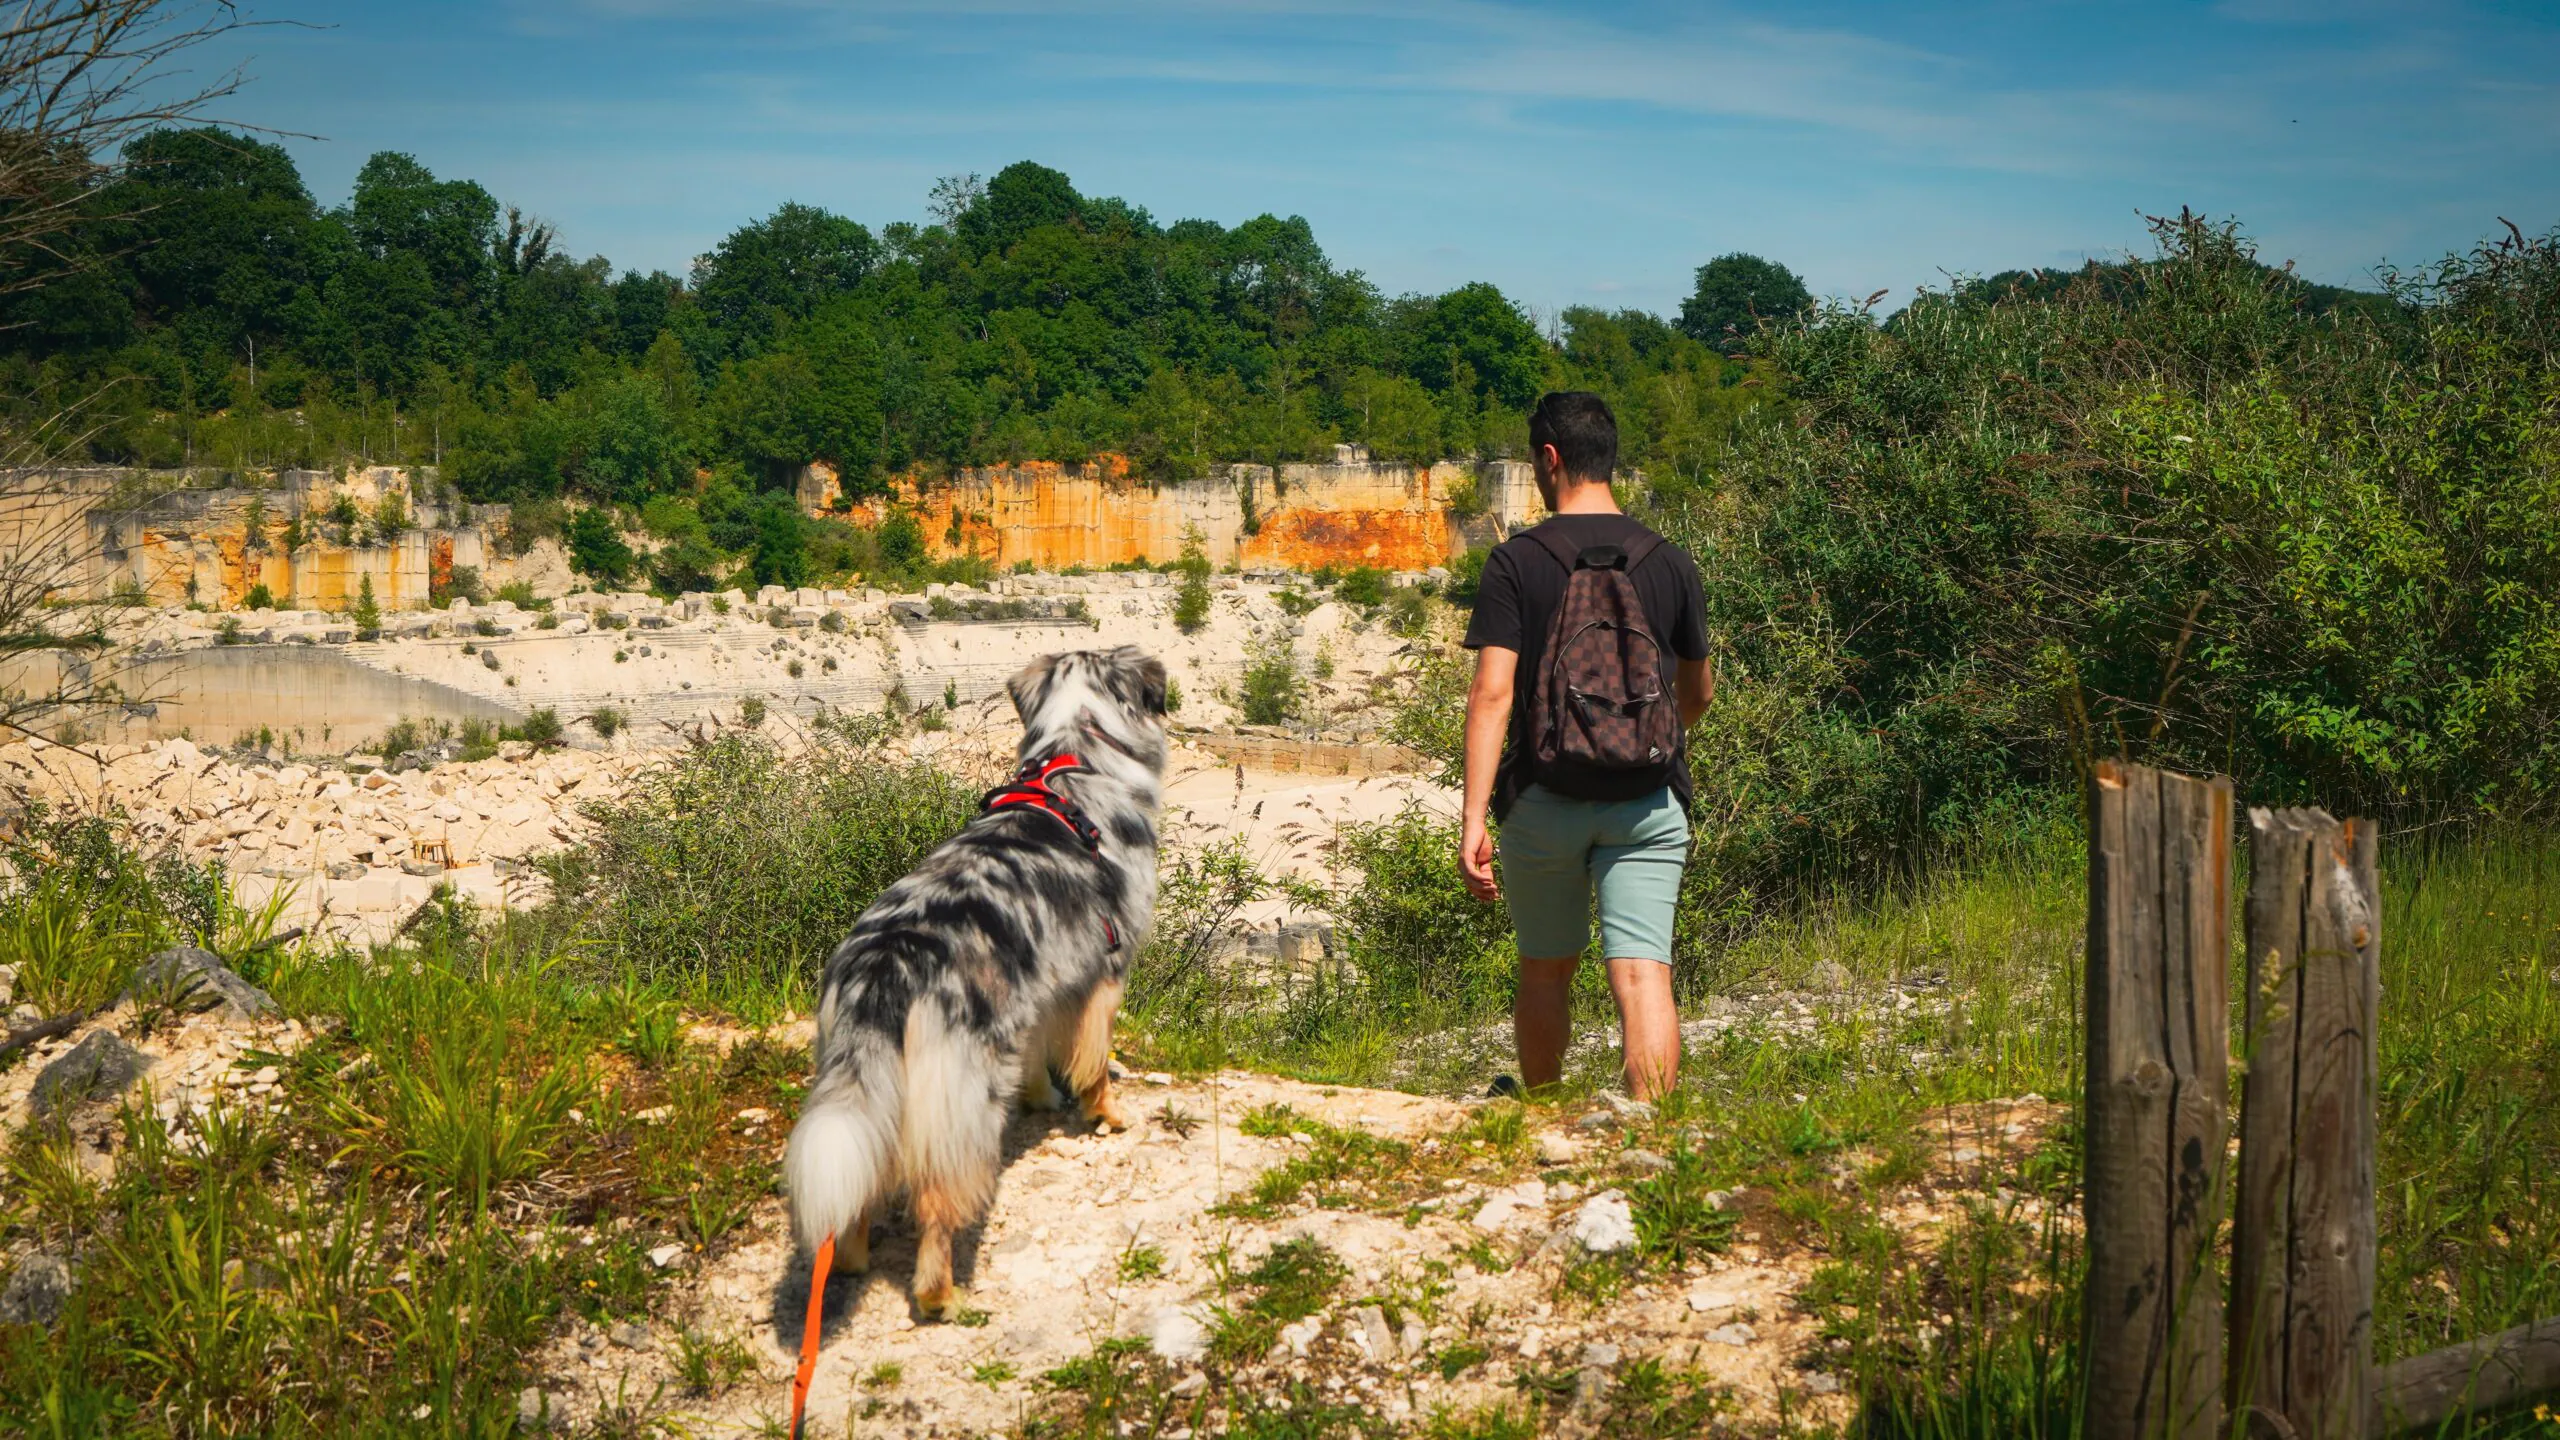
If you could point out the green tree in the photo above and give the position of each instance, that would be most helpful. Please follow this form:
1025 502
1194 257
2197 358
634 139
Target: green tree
1022 198
782 542
1395 418
1191 602
367 614
596 546
1736 292
1474 340
778 270
629 447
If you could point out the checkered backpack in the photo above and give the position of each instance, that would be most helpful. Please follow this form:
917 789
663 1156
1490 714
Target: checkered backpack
1601 704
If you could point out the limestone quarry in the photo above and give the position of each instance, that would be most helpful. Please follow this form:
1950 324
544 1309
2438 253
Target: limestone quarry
1249 1245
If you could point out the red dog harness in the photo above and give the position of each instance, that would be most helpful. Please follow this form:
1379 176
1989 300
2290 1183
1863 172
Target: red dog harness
1030 786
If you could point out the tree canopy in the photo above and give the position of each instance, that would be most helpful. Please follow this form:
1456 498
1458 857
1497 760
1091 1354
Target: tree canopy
237 322
1736 292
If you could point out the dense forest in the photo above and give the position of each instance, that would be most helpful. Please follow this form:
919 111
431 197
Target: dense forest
247 326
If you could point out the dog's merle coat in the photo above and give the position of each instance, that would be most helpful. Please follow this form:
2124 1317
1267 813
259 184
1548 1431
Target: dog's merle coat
1001 955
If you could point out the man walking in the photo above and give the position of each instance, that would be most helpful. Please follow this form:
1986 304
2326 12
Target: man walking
1571 742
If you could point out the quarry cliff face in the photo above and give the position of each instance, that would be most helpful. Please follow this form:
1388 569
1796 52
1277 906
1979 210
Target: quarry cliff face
1350 512
163 542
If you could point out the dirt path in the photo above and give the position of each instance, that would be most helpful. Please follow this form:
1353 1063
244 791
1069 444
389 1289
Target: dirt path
1444 1299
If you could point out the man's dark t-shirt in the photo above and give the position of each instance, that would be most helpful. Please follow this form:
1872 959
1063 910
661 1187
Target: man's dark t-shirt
1516 605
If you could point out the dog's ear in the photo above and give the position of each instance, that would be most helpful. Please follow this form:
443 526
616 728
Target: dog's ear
1030 686
1151 683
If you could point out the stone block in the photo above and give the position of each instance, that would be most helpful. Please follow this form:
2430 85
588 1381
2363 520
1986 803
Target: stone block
377 893
101 1067
197 980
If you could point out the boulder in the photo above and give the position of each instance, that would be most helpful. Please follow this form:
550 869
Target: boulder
1606 1224
1178 1335
36 1291
101 1067
199 981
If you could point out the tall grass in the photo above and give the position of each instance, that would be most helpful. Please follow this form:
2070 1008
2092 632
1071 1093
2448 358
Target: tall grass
728 876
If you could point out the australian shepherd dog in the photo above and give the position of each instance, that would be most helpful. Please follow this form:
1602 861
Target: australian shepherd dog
998 959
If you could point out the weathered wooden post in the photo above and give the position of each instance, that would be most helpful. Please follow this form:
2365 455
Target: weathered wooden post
2303 1239
2159 1083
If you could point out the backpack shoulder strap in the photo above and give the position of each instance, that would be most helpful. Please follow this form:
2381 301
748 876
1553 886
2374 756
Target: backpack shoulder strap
1555 544
1642 548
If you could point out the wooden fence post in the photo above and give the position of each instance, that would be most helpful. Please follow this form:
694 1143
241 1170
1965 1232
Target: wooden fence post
2159 1085
2303 1239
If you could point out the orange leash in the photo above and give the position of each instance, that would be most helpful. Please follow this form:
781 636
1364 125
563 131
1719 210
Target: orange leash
809 1332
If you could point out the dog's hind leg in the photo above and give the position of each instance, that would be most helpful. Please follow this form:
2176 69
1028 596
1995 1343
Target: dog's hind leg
853 1247
1089 1056
951 1141
1039 1092
939 1213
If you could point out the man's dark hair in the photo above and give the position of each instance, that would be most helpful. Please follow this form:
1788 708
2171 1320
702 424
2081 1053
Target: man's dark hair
1579 425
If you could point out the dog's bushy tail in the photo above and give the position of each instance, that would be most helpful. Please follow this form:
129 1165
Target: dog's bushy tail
844 1152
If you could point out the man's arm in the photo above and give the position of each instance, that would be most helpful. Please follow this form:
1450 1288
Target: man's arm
1696 685
1488 719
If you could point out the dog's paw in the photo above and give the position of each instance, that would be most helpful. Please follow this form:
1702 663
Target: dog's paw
939 1303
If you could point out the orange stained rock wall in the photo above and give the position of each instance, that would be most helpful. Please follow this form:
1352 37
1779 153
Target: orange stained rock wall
1305 517
122 531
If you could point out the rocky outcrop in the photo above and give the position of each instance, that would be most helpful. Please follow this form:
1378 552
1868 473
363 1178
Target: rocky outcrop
1351 512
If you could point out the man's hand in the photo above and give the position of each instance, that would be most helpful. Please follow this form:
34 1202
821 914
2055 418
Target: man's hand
1488 716
1475 861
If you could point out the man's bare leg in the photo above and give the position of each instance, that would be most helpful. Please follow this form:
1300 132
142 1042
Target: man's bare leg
1542 1019
1648 1019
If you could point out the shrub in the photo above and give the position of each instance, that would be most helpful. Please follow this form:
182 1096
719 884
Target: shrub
1191 603
81 906
596 546
1272 687
228 632
461 583
751 711
404 736
367 615
1366 585
736 869
1424 952
541 728
1466 573
258 598
390 515
1408 610
606 721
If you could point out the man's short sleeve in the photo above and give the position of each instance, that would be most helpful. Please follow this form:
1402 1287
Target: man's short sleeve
1496 620
1689 631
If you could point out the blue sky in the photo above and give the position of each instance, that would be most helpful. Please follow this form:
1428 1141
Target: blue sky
1572 154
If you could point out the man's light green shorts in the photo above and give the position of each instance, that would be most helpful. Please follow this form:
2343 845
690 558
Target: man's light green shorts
1553 850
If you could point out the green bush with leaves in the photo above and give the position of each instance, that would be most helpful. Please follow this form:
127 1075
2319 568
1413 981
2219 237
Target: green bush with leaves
733 871
1273 687
2166 512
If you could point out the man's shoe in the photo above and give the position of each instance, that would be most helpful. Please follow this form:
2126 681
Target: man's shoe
1504 1087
